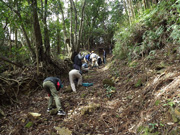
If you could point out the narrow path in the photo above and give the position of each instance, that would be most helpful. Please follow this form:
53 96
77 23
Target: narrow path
17 116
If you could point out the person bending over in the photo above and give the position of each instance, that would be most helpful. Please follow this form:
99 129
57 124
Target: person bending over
74 75
52 85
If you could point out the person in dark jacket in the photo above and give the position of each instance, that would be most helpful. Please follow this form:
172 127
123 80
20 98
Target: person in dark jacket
104 56
78 62
52 85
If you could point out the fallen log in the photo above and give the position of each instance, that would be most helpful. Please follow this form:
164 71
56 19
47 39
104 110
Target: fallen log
11 62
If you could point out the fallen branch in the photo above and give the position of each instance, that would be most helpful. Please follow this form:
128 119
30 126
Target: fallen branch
7 60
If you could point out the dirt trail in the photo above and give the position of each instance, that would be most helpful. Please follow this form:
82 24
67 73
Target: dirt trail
95 110
94 122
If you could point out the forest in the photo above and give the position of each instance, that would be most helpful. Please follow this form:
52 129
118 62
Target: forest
135 92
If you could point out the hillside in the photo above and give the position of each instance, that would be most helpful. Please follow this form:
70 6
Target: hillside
135 93
144 101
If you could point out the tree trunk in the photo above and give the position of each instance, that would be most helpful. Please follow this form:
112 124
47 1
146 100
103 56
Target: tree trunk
75 47
68 45
126 5
28 42
144 3
58 42
37 32
131 9
81 25
71 32
46 35
58 36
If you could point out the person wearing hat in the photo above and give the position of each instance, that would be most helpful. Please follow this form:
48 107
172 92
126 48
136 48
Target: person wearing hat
75 77
94 58
78 61
52 85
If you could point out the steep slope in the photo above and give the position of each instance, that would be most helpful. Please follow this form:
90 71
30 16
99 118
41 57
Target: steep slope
143 101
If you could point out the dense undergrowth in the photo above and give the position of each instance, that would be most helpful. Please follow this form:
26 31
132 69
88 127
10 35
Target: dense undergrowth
150 49
152 30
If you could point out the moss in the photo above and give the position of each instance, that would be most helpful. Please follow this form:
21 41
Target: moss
29 124
53 111
108 82
83 95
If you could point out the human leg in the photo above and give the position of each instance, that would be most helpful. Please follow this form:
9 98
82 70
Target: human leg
104 59
79 79
71 79
55 96
46 86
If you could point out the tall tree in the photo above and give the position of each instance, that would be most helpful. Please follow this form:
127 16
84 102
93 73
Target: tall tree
46 34
17 10
66 39
79 40
38 37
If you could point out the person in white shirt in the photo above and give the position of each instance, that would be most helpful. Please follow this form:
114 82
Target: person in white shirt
74 75
94 58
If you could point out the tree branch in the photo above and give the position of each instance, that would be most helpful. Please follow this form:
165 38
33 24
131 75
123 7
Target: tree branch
7 60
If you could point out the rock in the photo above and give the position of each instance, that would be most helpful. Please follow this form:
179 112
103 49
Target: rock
34 116
1 113
89 109
63 131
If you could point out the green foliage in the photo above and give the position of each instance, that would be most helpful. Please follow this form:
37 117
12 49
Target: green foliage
169 102
153 125
133 64
157 102
151 37
110 90
147 30
123 41
148 130
151 54
175 34
29 124
138 83
1 32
